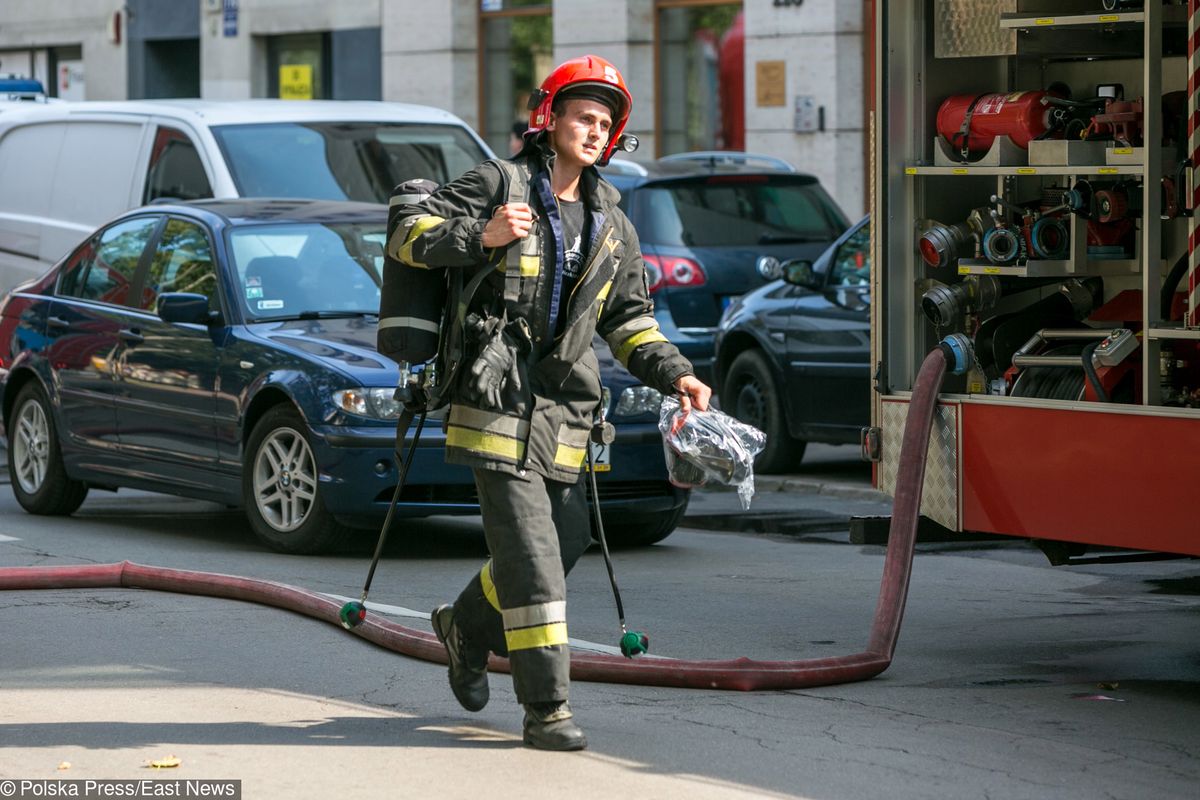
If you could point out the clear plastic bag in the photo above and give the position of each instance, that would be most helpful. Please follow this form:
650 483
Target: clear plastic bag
704 447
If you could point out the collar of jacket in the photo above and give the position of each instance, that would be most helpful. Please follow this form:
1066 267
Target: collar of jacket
600 194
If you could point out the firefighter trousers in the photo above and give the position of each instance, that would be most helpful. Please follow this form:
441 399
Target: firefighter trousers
536 529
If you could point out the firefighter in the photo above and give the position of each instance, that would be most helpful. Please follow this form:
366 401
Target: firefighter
524 403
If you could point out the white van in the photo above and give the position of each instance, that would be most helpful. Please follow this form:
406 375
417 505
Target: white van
67 168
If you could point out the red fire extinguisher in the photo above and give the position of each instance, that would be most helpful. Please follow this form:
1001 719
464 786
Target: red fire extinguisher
971 122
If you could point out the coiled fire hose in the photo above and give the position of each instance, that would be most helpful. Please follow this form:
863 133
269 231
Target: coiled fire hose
741 674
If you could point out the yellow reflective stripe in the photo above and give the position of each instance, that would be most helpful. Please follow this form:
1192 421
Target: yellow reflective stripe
602 297
420 225
487 443
572 447
489 421
538 636
540 614
530 266
637 340
567 456
489 588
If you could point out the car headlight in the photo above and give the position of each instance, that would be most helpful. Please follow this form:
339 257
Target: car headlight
376 403
637 400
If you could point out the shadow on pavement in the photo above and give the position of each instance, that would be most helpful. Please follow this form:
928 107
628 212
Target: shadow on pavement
344 731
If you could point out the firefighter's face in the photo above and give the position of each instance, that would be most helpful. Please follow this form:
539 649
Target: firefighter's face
580 132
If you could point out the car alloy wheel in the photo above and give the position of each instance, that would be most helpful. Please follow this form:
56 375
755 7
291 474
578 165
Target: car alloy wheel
285 479
35 463
31 446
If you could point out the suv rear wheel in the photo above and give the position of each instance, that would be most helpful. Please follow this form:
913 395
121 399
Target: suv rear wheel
753 397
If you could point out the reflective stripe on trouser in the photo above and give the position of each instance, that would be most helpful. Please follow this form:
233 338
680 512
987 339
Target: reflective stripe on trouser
536 530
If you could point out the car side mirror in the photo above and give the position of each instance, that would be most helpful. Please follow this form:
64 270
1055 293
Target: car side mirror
799 272
184 307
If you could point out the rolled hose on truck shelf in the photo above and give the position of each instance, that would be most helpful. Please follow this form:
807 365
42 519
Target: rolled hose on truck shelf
742 674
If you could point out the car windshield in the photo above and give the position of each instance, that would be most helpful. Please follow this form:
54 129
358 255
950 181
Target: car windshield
297 270
737 210
342 160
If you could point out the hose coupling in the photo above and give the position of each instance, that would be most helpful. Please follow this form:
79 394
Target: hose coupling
959 352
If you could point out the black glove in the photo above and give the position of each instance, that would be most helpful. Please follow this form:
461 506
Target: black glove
497 366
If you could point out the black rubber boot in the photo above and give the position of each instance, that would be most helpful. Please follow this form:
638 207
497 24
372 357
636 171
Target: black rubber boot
551 726
468 667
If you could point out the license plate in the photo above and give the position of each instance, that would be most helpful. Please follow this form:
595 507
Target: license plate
601 455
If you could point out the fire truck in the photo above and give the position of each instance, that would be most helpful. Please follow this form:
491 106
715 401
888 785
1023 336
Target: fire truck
1033 194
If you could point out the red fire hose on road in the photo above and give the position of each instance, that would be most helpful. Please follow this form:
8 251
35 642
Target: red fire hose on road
742 674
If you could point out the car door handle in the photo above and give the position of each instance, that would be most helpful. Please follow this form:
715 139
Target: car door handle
131 335
57 323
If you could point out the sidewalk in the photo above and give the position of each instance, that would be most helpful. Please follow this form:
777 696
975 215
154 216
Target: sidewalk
815 484
832 470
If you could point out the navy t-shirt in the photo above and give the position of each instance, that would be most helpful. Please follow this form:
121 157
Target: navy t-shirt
575 238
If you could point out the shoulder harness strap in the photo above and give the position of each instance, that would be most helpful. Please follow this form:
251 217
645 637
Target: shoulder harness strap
517 180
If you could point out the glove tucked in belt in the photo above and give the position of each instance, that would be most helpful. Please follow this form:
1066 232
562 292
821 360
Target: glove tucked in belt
498 365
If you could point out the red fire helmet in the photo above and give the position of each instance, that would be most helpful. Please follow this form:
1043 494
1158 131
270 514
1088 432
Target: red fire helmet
584 73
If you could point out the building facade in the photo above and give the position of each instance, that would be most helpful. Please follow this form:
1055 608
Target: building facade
781 77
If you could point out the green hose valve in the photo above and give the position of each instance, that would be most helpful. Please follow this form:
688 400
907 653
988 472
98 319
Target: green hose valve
634 643
352 614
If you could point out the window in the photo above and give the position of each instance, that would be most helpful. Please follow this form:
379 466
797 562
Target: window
736 210
701 76
516 54
342 160
852 263
93 170
104 267
298 66
175 169
285 270
183 262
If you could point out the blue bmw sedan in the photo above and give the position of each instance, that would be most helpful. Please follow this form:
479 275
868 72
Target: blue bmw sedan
225 350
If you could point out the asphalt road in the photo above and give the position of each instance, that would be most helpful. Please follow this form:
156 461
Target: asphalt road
1012 679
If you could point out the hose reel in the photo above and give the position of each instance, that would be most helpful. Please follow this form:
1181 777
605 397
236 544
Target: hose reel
1066 367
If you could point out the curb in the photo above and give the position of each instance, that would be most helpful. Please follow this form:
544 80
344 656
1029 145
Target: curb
798 485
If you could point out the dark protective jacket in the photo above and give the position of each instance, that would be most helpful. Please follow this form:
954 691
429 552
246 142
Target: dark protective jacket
545 422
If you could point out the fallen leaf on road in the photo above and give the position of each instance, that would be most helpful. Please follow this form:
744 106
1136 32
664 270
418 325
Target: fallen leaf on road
64 765
165 763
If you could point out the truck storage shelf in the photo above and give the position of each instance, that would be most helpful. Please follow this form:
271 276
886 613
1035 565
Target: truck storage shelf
1173 332
1065 20
1042 169
1170 15
1049 268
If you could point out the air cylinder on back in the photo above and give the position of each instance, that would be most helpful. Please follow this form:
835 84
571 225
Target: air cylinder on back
412 299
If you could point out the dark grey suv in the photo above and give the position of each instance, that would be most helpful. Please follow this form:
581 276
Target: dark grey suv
705 220
793 357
